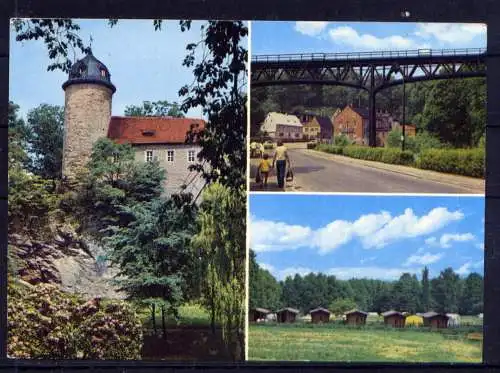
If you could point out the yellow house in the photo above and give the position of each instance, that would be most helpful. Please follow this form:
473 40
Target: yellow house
414 320
311 129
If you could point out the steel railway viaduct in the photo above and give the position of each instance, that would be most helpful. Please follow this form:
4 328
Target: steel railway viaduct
369 71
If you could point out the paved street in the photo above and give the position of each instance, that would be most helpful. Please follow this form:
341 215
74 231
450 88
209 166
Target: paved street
321 172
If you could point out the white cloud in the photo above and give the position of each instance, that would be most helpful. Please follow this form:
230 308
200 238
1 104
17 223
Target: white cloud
374 230
277 236
478 264
346 273
431 241
480 246
267 267
424 259
451 33
363 261
348 35
291 272
409 225
448 238
340 232
464 269
313 28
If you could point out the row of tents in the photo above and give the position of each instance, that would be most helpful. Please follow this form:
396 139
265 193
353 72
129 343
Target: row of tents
357 317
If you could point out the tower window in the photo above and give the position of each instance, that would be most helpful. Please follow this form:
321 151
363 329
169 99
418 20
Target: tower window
149 155
191 155
103 73
170 155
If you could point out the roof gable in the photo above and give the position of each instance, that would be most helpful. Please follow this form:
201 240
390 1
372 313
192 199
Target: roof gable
319 310
153 130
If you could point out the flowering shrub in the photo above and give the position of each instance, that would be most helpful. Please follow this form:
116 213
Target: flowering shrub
46 323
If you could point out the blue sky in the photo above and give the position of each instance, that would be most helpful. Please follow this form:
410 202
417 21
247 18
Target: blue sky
144 64
331 37
367 236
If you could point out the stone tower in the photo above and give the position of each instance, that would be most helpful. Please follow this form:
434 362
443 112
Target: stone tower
88 92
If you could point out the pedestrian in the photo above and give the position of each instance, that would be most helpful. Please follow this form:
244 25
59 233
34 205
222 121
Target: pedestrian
264 169
281 159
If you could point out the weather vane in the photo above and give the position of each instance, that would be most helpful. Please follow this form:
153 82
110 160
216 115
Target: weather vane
91 40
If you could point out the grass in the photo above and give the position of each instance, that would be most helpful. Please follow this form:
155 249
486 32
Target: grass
190 314
291 343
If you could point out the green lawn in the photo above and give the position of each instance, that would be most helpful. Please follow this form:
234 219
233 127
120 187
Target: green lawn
289 343
189 315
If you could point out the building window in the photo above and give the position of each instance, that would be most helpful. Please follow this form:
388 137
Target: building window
149 155
170 155
191 156
103 73
115 158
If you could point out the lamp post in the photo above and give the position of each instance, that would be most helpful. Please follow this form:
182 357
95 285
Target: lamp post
404 116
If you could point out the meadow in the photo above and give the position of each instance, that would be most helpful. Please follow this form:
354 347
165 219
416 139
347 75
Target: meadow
371 343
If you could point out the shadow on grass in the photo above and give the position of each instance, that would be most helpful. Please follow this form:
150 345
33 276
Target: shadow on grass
186 343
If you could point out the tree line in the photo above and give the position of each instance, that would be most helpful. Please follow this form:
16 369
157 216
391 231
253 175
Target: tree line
447 292
453 110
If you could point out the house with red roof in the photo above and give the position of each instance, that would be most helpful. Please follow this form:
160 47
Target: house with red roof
88 102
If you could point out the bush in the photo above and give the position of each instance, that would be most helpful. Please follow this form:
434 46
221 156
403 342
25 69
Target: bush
311 145
467 162
386 155
330 149
342 140
415 144
44 322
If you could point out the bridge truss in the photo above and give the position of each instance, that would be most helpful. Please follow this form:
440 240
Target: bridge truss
369 71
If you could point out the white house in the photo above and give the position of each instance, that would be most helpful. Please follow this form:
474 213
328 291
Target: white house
282 126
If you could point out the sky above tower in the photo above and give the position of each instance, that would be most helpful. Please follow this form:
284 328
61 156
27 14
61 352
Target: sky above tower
145 65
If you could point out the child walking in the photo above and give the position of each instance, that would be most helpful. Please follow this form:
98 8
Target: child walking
264 169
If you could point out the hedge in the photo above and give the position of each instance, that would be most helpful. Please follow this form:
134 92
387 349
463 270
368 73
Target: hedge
467 162
386 155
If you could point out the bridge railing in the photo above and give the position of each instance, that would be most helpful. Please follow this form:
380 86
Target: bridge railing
367 55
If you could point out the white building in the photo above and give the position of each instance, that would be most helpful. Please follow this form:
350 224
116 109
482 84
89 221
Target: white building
282 126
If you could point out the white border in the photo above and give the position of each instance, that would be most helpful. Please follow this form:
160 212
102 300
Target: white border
247 144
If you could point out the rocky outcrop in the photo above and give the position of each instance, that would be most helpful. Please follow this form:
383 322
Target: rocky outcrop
75 263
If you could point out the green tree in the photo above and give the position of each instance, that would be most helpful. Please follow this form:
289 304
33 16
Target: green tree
445 290
426 291
264 290
60 37
471 300
339 306
153 254
220 89
112 180
46 131
155 109
18 137
446 113
220 242
407 293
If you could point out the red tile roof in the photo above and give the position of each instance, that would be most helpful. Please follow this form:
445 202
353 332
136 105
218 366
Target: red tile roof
152 130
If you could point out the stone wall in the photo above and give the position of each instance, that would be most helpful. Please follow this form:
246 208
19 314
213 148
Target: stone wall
87 114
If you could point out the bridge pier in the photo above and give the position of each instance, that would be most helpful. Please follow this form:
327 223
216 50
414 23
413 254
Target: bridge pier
372 113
